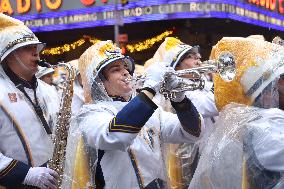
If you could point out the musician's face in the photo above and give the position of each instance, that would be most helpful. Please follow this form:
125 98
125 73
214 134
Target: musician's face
23 60
281 93
191 61
47 78
115 84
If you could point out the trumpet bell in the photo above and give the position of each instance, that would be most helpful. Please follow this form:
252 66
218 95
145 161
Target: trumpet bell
226 66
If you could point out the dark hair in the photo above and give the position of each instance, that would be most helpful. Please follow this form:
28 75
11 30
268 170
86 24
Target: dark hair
194 50
102 76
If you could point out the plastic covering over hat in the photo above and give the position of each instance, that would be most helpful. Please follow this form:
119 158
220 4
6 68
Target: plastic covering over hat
258 63
42 71
92 61
13 35
81 159
246 149
171 51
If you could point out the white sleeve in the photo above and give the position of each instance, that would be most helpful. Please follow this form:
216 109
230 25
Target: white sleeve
204 103
76 104
268 141
95 126
172 130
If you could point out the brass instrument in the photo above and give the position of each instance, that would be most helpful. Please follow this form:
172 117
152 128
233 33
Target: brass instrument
225 66
60 133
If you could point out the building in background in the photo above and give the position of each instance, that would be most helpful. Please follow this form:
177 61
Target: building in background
143 23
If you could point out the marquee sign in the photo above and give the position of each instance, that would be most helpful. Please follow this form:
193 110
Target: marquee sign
91 13
272 5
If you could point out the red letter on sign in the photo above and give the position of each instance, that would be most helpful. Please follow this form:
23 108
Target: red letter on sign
88 2
281 8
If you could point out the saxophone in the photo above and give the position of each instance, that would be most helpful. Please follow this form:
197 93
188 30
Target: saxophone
60 133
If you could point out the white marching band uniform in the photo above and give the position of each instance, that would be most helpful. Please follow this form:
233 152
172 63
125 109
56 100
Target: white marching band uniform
32 132
78 97
25 142
181 158
123 146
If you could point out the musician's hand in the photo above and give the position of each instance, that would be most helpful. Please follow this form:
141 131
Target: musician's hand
41 177
174 82
154 76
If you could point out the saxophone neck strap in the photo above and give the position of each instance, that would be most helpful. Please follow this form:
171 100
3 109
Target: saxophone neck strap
21 84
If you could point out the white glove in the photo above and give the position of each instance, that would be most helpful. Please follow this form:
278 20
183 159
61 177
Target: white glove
172 83
41 177
154 76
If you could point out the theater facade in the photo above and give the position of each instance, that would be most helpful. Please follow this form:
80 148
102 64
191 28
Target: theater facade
79 23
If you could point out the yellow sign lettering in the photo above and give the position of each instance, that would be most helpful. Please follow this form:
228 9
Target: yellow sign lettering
6 7
38 5
23 6
53 5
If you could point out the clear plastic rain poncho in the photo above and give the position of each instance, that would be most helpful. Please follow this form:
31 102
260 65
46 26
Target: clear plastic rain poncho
246 149
81 157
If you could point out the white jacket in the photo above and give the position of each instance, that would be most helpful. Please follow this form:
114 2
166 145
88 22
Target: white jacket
78 97
17 113
124 151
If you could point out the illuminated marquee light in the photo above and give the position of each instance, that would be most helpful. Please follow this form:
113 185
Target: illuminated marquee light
64 48
148 43
237 10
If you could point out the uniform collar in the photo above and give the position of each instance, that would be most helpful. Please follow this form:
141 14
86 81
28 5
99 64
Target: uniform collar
117 98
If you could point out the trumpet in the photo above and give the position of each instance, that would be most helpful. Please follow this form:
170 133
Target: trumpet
225 66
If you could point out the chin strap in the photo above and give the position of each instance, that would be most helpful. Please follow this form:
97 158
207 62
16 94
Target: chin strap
20 61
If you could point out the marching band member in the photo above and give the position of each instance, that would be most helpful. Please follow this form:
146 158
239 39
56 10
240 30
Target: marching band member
247 147
183 158
27 112
180 56
45 74
128 133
